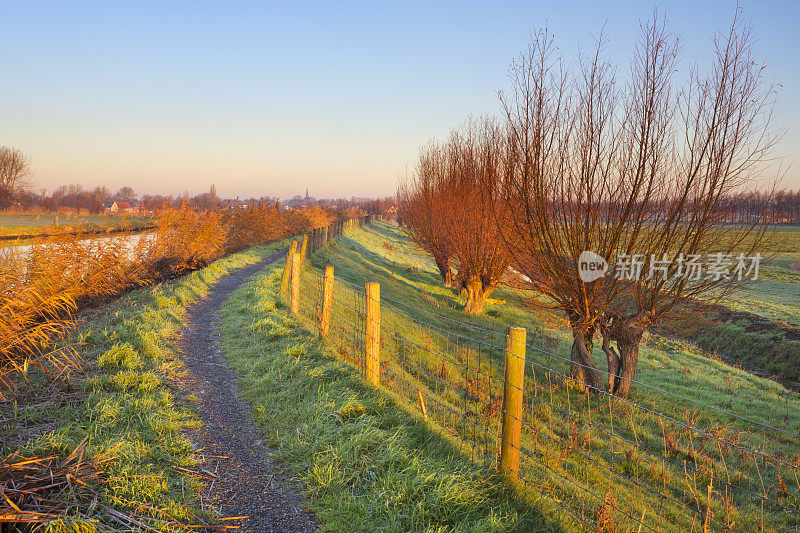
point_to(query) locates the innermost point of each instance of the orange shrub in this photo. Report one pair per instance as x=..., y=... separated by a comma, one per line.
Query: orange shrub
x=184, y=239
x=42, y=286
x=264, y=223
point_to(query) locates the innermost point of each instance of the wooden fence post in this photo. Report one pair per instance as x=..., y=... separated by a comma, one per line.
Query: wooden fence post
x=297, y=258
x=373, y=334
x=512, y=402
x=327, y=302
x=304, y=248
x=287, y=270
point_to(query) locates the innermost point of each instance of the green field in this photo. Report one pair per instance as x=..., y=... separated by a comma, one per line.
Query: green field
x=763, y=333
x=708, y=403
x=367, y=464
x=14, y=225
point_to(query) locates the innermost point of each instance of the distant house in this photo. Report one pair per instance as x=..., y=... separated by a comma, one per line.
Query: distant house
x=121, y=207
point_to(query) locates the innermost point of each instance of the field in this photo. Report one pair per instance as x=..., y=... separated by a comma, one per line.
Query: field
x=698, y=443
x=31, y=225
x=366, y=463
x=652, y=455
x=759, y=327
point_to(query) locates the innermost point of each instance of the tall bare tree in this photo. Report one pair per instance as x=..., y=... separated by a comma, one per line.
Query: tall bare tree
x=422, y=200
x=125, y=194
x=451, y=199
x=15, y=174
x=644, y=170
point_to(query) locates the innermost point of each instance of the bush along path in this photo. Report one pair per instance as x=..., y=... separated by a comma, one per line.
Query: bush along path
x=248, y=483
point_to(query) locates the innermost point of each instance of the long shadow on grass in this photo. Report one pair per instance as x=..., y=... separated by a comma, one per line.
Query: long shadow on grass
x=403, y=286
x=369, y=463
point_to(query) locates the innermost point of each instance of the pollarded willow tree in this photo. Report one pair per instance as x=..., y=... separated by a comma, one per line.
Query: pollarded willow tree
x=450, y=209
x=420, y=209
x=644, y=174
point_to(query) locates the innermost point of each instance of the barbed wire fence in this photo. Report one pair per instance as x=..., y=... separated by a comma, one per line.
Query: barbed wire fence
x=654, y=463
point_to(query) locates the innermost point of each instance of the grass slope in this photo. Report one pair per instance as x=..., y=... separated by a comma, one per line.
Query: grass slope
x=382, y=253
x=128, y=401
x=368, y=465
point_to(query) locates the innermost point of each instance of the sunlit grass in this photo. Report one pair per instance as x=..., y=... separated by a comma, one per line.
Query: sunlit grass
x=127, y=402
x=367, y=465
x=382, y=253
x=24, y=224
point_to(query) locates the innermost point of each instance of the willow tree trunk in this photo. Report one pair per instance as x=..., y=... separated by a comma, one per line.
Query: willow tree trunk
x=443, y=264
x=627, y=333
x=629, y=354
x=584, y=369
x=477, y=293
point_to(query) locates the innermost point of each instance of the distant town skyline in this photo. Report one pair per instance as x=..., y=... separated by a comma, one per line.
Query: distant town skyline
x=259, y=99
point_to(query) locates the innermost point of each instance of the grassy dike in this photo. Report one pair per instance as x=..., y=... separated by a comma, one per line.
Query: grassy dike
x=367, y=464
x=129, y=404
x=691, y=388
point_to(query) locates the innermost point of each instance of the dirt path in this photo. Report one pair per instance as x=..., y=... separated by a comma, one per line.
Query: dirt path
x=249, y=482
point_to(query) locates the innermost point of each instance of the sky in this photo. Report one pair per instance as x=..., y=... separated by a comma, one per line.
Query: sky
x=273, y=98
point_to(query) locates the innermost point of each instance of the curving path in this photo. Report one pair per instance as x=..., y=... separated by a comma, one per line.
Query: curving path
x=249, y=482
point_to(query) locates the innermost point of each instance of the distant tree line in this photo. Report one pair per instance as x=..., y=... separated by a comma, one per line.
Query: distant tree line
x=17, y=191
x=781, y=207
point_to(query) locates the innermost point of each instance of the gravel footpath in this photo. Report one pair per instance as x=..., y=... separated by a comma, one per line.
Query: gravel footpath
x=249, y=482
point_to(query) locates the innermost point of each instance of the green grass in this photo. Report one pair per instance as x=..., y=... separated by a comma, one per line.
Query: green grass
x=36, y=224
x=383, y=253
x=127, y=401
x=764, y=334
x=366, y=464
x=776, y=295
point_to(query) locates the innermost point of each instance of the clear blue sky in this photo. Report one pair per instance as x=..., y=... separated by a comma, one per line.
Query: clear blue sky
x=271, y=98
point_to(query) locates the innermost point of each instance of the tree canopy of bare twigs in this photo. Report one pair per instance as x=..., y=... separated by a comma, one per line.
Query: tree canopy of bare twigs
x=448, y=205
x=649, y=167
x=15, y=172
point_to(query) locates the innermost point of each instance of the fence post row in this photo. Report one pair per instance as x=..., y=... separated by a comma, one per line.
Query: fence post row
x=512, y=402
x=287, y=270
x=297, y=258
x=373, y=334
